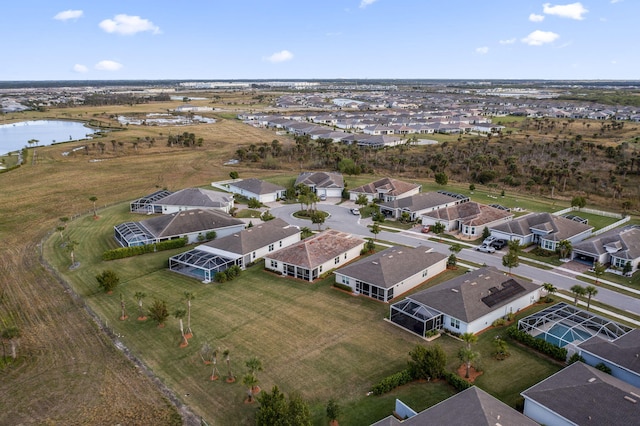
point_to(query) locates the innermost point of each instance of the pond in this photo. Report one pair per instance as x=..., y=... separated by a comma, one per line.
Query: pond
x=15, y=136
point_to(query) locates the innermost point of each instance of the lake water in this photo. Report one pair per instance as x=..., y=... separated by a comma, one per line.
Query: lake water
x=14, y=136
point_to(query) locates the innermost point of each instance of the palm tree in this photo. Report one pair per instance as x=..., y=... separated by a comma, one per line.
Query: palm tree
x=549, y=289
x=230, y=376
x=214, y=369
x=93, y=199
x=577, y=290
x=469, y=339
x=250, y=381
x=564, y=249
x=180, y=314
x=467, y=356
x=71, y=247
x=254, y=365
x=139, y=296
x=590, y=291
x=598, y=270
x=123, y=309
x=375, y=230
x=188, y=296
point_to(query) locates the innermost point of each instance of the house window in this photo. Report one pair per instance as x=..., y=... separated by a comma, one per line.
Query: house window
x=253, y=255
x=345, y=256
x=280, y=243
x=425, y=273
x=455, y=323
x=547, y=245
x=320, y=269
x=274, y=264
x=345, y=280
x=336, y=260
x=270, y=247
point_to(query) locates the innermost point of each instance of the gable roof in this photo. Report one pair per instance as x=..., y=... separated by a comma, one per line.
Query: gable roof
x=471, y=214
x=197, y=197
x=623, y=243
x=388, y=186
x=623, y=351
x=253, y=238
x=257, y=186
x=189, y=221
x=552, y=227
x=318, y=249
x=392, y=265
x=584, y=395
x=321, y=179
x=422, y=201
x=474, y=294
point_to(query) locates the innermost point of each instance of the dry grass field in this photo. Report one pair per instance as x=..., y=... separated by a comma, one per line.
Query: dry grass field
x=69, y=372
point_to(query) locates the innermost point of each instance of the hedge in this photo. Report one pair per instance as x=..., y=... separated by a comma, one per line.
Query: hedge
x=537, y=344
x=391, y=382
x=343, y=287
x=456, y=381
x=121, y=253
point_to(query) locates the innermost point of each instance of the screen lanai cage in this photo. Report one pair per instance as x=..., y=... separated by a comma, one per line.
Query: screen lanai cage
x=415, y=317
x=563, y=324
x=200, y=264
x=146, y=204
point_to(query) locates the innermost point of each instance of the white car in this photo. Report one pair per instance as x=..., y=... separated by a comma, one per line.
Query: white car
x=355, y=211
x=486, y=248
x=489, y=240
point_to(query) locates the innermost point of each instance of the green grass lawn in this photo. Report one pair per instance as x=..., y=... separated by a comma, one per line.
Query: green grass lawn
x=311, y=338
x=248, y=213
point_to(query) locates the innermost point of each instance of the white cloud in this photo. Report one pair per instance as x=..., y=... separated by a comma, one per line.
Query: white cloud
x=107, y=65
x=128, y=25
x=571, y=11
x=365, y=3
x=80, y=68
x=508, y=41
x=536, y=18
x=68, y=14
x=538, y=38
x=615, y=1
x=482, y=50
x=282, y=56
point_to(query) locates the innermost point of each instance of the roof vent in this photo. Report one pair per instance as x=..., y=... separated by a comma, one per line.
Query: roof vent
x=635, y=394
x=455, y=290
x=375, y=263
x=628, y=398
x=474, y=283
x=591, y=380
x=487, y=277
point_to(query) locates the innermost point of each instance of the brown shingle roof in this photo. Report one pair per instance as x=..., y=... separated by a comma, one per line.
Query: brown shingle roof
x=189, y=221
x=471, y=214
x=387, y=186
x=197, y=197
x=254, y=238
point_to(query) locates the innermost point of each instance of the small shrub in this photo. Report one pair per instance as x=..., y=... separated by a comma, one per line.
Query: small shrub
x=499, y=322
x=456, y=381
x=343, y=287
x=575, y=358
x=602, y=367
x=391, y=382
x=537, y=344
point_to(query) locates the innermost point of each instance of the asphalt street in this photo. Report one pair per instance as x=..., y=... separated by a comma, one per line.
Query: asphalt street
x=341, y=218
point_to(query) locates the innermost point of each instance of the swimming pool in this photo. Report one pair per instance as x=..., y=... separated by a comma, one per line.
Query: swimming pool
x=560, y=335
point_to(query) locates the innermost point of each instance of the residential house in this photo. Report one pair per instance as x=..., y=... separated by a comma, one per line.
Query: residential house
x=468, y=303
x=329, y=184
x=615, y=247
x=241, y=248
x=471, y=407
x=316, y=255
x=385, y=190
x=391, y=272
x=418, y=204
x=261, y=190
x=194, y=224
x=543, y=229
x=621, y=355
x=582, y=395
x=469, y=219
x=185, y=199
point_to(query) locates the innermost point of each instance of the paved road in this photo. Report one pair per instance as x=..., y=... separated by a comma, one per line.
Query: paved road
x=342, y=219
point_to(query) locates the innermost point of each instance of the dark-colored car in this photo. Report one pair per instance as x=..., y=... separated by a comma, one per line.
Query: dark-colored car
x=498, y=244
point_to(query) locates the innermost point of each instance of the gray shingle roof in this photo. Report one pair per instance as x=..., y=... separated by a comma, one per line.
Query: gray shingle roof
x=189, y=221
x=471, y=407
x=257, y=186
x=254, y=238
x=388, y=186
x=626, y=239
x=197, y=197
x=558, y=228
x=462, y=297
x=421, y=201
x=321, y=179
x=318, y=249
x=471, y=214
x=391, y=266
x=623, y=351
x=587, y=396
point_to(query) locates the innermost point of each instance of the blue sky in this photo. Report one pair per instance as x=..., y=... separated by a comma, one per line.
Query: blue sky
x=305, y=39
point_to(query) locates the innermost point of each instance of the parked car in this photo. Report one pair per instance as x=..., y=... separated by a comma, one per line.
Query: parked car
x=355, y=211
x=426, y=229
x=485, y=248
x=489, y=239
x=498, y=244
x=323, y=197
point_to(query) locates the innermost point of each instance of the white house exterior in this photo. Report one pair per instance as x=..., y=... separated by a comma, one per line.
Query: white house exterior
x=615, y=247
x=263, y=191
x=316, y=255
x=469, y=303
x=328, y=184
x=543, y=229
x=385, y=190
x=418, y=204
x=189, y=199
x=620, y=355
x=469, y=219
x=391, y=272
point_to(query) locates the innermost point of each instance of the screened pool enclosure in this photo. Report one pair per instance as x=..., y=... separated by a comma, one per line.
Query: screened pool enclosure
x=564, y=324
x=415, y=317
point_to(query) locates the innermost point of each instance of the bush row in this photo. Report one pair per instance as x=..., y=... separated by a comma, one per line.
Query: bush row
x=121, y=253
x=229, y=275
x=343, y=287
x=537, y=344
x=456, y=381
x=391, y=382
